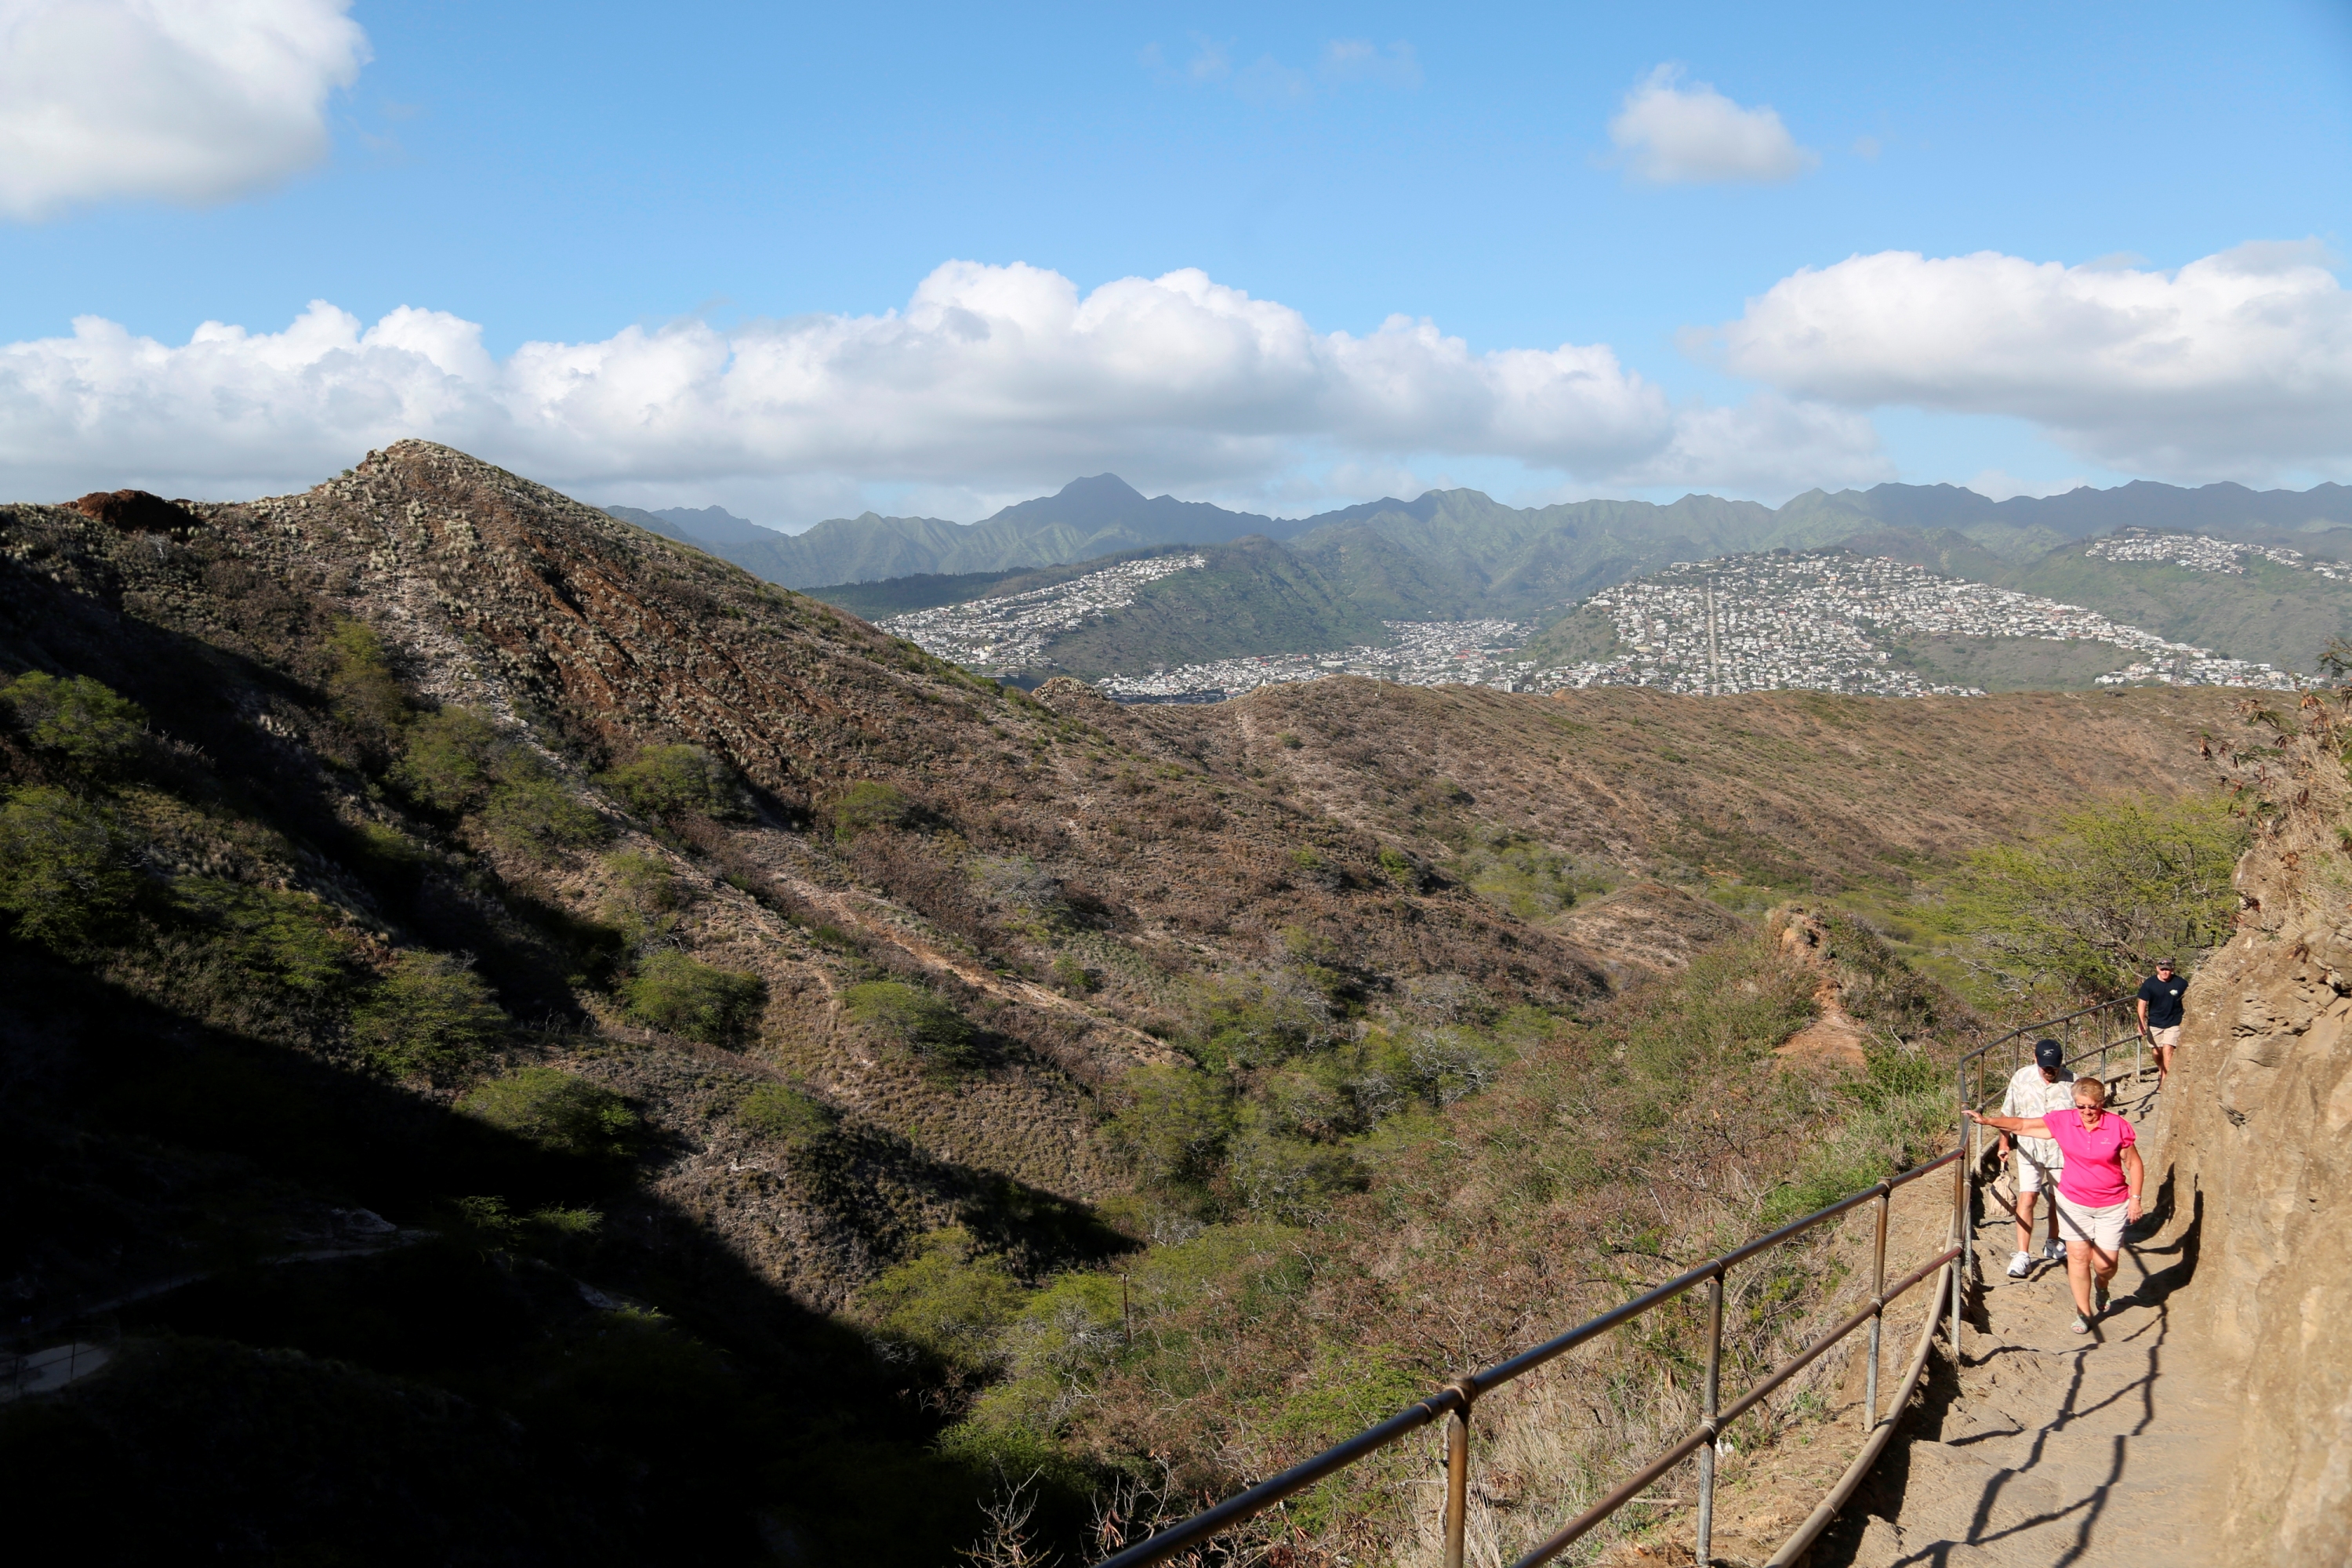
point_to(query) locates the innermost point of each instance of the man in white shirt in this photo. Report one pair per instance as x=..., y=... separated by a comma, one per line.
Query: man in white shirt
x=2039, y=1087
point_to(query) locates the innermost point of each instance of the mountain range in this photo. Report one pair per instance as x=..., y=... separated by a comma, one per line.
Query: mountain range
x=1507, y=553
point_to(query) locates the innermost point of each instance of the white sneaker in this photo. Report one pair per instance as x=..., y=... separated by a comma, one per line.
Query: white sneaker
x=2020, y=1265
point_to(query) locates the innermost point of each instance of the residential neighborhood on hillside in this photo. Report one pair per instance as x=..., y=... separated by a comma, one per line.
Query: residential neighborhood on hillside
x=1010, y=634
x=2199, y=553
x=1822, y=620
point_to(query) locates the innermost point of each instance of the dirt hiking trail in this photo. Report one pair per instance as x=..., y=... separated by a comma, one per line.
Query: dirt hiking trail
x=2054, y=1448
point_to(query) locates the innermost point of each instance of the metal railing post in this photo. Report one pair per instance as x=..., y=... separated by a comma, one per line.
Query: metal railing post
x=1712, y=1401
x=1878, y=1314
x=1961, y=1238
x=1458, y=1478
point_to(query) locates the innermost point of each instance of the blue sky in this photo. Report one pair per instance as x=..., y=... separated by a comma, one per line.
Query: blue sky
x=557, y=174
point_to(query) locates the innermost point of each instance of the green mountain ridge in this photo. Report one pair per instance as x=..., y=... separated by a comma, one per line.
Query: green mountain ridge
x=1328, y=582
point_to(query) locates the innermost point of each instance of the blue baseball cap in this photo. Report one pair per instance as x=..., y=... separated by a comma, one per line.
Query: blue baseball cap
x=2050, y=1054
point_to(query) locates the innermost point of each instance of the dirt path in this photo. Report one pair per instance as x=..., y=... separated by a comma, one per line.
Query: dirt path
x=2055, y=1447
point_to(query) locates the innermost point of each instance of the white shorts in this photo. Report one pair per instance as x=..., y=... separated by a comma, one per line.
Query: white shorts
x=2029, y=1175
x=2167, y=1039
x=2101, y=1228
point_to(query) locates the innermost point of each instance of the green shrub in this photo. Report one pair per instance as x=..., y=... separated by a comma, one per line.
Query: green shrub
x=531, y=812
x=645, y=893
x=1401, y=870
x=676, y=782
x=784, y=1114
x=1173, y=1128
x=63, y=871
x=949, y=1300
x=924, y=1023
x=431, y=1016
x=449, y=760
x=670, y=990
x=869, y=804
x=1071, y=977
x=84, y=722
x=281, y=940
x=1286, y=1179
x=559, y=1112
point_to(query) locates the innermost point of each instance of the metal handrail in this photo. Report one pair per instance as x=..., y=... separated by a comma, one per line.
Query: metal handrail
x=1457, y=1399
x=1454, y=1402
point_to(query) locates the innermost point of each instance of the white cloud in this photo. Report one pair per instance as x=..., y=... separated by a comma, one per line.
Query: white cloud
x=185, y=100
x=1268, y=81
x=1769, y=446
x=2238, y=365
x=992, y=378
x=1356, y=59
x=1671, y=135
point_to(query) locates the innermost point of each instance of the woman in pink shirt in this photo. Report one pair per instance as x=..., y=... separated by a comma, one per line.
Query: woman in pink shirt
x=2098, y=1189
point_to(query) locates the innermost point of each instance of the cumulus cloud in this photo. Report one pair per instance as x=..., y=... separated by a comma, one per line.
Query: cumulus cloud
x=184, y=101
x=2238, y=365
x=991, y=377
x=1668, y=134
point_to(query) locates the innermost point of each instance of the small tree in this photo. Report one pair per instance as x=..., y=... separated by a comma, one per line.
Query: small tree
x=2095, y=902
x=432, y=1016
x=556, y=1110
x=368, y=697
x=869, y=804
x=449, y=760
x=670, y=990
x=950, y=1299
x=85, y=722
x=672, y=782
x=62, y=868
x=787, y=1116
x=1174, y=1128
x=924, y=1023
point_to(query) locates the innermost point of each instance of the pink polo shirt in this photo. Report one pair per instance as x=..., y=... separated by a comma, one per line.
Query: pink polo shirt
x=2094, y=1174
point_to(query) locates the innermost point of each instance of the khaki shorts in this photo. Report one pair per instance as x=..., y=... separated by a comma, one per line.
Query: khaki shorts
x=2167, y=1039
x=2101, y=1228
x=2029, y=1175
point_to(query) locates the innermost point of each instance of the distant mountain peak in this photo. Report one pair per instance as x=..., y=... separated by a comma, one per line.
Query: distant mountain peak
x=1098, y=488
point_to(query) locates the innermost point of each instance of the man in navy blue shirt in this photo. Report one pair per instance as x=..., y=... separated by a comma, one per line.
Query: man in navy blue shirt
x=2159, y=1014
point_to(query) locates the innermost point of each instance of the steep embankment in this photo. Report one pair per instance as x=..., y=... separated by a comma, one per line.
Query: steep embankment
x=2262, y=1145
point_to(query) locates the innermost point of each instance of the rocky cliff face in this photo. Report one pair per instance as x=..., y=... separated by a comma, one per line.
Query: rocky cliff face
x=2261, y=1142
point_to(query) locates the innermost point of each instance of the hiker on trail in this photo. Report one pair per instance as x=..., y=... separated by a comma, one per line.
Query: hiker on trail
x=2159, y=1014
x=2042, y=1085
x=2098, y=1188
